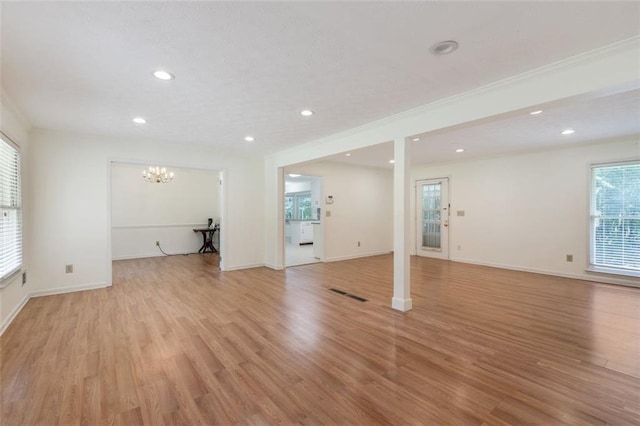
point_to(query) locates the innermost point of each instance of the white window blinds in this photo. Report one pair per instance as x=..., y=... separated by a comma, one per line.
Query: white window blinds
x=10, y=210
x=615, y=217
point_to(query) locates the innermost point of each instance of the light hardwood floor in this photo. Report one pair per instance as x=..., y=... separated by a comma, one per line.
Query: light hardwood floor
x=176, y=342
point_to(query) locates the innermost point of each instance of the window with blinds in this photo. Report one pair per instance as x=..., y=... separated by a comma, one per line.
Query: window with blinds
x=615, y=218
x=10, y=210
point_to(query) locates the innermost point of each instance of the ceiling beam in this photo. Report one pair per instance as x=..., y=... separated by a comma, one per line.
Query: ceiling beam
x=616, y=65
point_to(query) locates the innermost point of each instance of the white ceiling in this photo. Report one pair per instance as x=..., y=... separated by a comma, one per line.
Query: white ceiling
x=249, y=68
x=595, y=119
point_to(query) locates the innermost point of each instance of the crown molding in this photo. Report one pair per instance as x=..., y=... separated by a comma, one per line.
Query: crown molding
x=599, y=54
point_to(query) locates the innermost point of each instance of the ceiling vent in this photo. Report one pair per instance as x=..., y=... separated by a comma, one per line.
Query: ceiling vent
x=444, y=47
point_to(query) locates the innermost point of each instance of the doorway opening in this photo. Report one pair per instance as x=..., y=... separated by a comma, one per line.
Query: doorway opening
x=182, y=215
x=303, y=232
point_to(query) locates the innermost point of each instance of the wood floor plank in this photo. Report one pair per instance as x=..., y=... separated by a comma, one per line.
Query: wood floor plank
x=175, y=341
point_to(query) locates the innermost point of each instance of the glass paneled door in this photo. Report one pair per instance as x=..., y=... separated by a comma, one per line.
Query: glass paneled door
x=432, y=202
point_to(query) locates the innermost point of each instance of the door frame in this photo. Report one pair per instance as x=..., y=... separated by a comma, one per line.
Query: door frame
x=418, y=226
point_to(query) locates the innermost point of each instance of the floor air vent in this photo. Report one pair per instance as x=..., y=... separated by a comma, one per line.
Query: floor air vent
x=344, y=293
x=358, y=298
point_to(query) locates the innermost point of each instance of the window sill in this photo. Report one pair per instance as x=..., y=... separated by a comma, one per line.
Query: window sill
x=9, y=278
x=613, y=271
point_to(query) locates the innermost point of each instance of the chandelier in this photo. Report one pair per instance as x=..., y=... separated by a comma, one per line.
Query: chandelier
x=157, y=175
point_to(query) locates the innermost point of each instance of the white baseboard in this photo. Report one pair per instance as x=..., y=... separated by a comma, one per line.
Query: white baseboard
x=14, y=313
x=274, y=266
x=49, y=292
x=137, y=256
x=238, y=267
x=356, y=256
x=585, y=277
x=68, y=289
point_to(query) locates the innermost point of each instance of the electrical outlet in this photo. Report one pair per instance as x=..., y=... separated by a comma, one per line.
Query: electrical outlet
x=328, y=213
x=158, y=243
x=24, y=277
x=569, y=258
x=68, y=269
x=459, y=247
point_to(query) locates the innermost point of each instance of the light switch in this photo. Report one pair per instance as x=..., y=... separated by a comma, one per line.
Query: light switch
x=460, y=212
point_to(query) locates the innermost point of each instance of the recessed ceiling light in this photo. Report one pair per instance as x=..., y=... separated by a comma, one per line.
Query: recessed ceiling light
x=444, y=47
x=306, y=112
x=249, y=138
x=459, y=150
x=348, y=154
x=294, y=175
x=536, y=112
x=139, y=120
x=568, y=131
x=415, y=139
x=392, y=161
x=163, y=75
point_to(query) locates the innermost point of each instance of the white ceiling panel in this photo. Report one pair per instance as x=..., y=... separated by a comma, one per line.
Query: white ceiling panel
x=248, y=68
x=607, y=117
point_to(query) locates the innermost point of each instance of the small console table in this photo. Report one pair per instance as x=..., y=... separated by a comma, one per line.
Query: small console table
x=207, y=238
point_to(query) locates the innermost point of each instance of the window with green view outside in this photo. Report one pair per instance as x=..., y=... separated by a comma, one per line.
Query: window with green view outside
x=297, y=205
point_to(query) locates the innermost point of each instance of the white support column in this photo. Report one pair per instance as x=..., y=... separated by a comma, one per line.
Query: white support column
x=401, y=230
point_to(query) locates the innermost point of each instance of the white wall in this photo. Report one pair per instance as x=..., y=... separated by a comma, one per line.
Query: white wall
x=362, y=209
x=524, y=211
x=14, y=295
x=588, y=73
x=71, y=217
x=143, y=213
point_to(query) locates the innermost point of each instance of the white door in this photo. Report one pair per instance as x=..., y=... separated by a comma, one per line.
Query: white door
x=432, y=202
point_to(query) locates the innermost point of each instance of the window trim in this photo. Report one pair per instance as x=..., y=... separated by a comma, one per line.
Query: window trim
x=591, y=267
x=9, y=278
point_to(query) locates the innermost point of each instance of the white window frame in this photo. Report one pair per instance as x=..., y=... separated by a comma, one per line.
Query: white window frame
x=10, y=275
x=592, y=266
